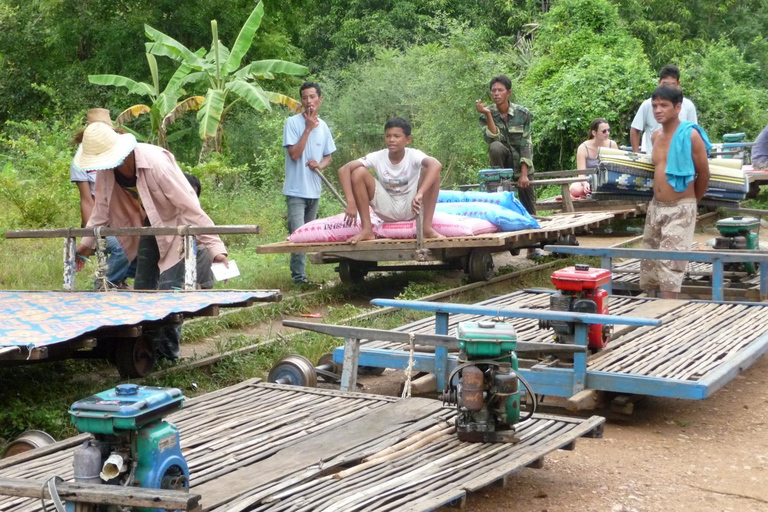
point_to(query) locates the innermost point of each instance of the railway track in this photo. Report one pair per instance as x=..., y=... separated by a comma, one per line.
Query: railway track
x=284, y=335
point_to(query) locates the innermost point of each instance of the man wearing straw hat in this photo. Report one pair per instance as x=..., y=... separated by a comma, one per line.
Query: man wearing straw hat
x=141, y=185
x=118, y=266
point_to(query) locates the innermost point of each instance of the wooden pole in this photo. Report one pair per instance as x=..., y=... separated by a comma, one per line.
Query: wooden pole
x=103, y=494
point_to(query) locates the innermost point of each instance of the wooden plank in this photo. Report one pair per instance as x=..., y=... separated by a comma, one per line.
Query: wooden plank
x=103, y=494
x=304, y=455
x=135, y=231
x=651, y=309
x=349, y=365
x=567, y=201
x=45, y=450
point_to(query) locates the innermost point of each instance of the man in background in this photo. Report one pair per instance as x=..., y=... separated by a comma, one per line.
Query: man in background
x=645, y=123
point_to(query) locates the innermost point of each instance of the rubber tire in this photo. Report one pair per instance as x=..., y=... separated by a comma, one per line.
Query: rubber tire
x=134, y=357
x=480, y=266
x=351, y=272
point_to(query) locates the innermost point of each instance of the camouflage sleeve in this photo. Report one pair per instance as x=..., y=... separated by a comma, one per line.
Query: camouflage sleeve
x=488, y=137
x=526, y=148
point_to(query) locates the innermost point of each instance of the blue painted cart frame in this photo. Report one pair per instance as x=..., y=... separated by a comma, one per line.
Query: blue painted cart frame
x=546, y=380
x=566, y=382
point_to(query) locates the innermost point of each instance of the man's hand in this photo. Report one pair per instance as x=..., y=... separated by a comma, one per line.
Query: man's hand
x=221, y=258
x=310, y=119
x=350, y=214
x=83, y=253
x=314, y=165
x=416, y=204
x=480, y=106
x=523, y=182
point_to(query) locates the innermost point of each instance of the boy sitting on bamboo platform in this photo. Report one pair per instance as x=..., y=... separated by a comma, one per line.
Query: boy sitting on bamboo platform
x=407, y=182
x=681, y=176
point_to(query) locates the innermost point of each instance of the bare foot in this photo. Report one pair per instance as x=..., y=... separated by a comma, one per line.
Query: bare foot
x=431, y=233
x=366, y=234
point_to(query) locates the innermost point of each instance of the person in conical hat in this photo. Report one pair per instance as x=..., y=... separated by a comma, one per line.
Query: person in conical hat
x=141, y=185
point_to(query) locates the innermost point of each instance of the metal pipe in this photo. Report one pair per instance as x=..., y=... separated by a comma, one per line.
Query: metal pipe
x=578, y=318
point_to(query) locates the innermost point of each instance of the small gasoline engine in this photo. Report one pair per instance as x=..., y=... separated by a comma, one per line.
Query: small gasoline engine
x=485, y=385
x=578, y=291
x=496, y=180
x=736, y=233
x=132, y=445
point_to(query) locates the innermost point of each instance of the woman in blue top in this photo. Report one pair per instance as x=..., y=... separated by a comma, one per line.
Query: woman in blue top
x=586, y=155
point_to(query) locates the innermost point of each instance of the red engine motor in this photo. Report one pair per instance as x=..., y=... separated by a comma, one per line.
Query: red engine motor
x=578, y=290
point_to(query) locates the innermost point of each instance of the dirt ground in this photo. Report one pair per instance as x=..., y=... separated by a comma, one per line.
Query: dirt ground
x=669, y=455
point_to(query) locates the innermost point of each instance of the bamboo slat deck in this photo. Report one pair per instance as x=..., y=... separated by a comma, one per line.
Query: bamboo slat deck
x=551, y=228
x=700, y=273
x=258, y=446
x=694, y=341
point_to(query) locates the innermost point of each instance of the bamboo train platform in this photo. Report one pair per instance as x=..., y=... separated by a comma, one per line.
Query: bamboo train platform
x=256, y=446
x=696, y=284
x=41, y=326
x=699, y=347
x=471, y=253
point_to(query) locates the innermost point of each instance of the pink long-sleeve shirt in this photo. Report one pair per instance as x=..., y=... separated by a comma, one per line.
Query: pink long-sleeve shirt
x=168, y=200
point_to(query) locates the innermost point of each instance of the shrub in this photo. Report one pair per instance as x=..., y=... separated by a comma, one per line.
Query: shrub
x=35, y=175
x=586, y=66
x=726, y=90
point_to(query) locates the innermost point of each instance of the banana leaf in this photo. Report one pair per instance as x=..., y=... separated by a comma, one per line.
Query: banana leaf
x=244, y=39
x=209, y=115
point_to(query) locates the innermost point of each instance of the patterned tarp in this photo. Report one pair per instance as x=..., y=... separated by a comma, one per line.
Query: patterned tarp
x=632, y=174
x=33, y=319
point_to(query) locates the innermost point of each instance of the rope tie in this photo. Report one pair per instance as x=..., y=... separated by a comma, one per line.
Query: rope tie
x=409, y=368
x=101, y=260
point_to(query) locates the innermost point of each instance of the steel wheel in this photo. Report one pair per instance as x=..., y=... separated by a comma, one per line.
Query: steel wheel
x=480, y=266
x=294, y=370
x=351, y=272
x=134, y=357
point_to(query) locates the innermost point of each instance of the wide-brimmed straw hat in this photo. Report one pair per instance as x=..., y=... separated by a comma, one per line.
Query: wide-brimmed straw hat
x=103, y=148
x=100, y=115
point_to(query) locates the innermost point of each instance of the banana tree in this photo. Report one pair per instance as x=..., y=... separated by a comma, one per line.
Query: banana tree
x=228, y=82
x=164, y=104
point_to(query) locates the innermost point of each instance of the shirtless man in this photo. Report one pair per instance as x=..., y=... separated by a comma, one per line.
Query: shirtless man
x=671, y=217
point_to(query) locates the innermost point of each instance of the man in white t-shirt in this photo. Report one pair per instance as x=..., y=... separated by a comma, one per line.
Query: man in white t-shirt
x=407, y=182
x=644, y=120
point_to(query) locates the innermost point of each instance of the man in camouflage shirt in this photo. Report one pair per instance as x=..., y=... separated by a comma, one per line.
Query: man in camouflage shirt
x=507, y=130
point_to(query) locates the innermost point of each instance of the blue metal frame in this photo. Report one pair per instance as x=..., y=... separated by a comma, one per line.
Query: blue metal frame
x=545, y=380
x=716, y=258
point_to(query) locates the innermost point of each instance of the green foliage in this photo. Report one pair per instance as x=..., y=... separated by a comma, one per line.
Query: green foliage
x=34, y=180
x=257, y=142
x=221, y=69
x=586, y=66
x=339, y=32
x=725, y=89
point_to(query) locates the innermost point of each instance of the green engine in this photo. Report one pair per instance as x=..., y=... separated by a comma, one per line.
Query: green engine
x=496, y=180
x=738, y=233
x=485, y=385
